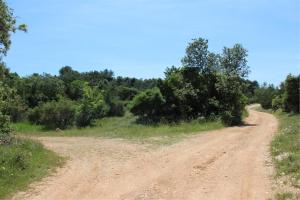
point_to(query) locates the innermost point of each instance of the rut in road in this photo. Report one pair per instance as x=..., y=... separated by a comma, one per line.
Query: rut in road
x=231, y=163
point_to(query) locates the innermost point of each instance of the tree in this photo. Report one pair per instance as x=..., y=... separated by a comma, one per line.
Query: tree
x=8, y=26
x=234, y=61
x=37, y=89
x=196, y=54
x=291, y=93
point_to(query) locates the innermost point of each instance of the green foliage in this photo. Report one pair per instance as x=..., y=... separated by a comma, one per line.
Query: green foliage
x=265, y=94
x=234, y=61
x=207, y=85
x=285, y=147
x=127, y=93
x=147, y=104
x=277, y=102
x=5, y=129
x=92, y=107
x=85, y=114
x=116, y=108
x=37, y=89
x=22, y=162
x=291, y=93
x=229, y=90
x=60, y=114
x=8, y=26
x=196, y=54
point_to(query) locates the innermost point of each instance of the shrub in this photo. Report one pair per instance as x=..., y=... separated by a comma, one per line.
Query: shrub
x=127, y=93
x=92, y=107
x=147, y=104
x=54, y=114
x=277, y=103
x=116, y=108
x=4, y=129
x=84, y=115
x=291, y=94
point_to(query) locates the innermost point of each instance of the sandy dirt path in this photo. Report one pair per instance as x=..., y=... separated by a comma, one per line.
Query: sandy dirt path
x=231, y=163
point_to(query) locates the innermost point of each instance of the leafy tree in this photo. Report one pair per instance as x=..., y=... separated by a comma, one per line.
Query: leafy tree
x=8, y=26
x=196, y=54
x=291, y=93
x=37, y=89
x=234, y=61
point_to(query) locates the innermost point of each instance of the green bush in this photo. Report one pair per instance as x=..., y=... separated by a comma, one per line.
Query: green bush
x=84, y=115
x=291, y=94
x=4, y=129
x=116, y=108
x=60, y=114
x=147, y=104
x=277, y=103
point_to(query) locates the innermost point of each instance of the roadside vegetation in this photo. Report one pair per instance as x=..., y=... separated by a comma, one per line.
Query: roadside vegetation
x=22, y=162
x=283, y=102
x=286, y=155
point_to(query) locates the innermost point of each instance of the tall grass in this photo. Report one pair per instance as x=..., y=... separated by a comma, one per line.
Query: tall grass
x=125, y=127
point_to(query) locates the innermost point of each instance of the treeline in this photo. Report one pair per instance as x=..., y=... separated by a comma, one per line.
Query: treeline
x=69, y=98
x=285, y=97
x=208, y=86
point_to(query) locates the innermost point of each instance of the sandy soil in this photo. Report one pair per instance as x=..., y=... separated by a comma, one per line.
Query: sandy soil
x=232, y=163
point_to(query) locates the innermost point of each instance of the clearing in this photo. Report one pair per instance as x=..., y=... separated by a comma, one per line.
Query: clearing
x=230, y=163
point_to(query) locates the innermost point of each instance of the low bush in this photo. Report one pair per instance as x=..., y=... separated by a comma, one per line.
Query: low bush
x=147, y=104
x=116, y=108
x=60, y=114
x=4, y=129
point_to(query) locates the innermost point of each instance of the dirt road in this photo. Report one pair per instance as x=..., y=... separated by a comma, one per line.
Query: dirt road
x=232, y=163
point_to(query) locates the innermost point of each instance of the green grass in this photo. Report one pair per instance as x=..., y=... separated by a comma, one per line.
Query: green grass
x=287, y=142
x=285, y=150
x=26, y=127
x=23, y=162
x=125, y=127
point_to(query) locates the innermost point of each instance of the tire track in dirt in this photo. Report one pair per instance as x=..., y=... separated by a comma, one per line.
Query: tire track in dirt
x=230, y=163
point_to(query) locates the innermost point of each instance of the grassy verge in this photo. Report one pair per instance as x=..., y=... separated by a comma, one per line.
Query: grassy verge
x=23, y=162
x=125, y=127
x=286, y=154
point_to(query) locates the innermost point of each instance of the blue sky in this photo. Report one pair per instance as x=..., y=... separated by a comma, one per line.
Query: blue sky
x=140, y=38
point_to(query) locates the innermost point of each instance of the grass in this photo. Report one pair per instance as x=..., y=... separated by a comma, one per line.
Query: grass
x=22, y=162
x=125, y=127
x=285, y=150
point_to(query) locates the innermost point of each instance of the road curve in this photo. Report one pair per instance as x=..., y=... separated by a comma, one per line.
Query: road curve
x=231, y=163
